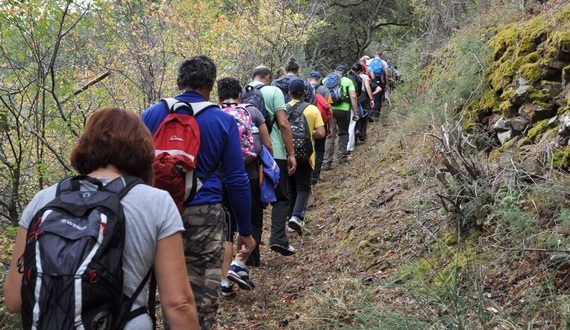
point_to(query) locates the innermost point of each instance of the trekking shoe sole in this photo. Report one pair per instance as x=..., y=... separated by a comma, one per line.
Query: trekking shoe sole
x=296, y=227
x=281, y=250
x=244, y=285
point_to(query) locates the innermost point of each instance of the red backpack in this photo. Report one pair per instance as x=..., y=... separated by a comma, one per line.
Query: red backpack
x=324, y=108
x=176, y=144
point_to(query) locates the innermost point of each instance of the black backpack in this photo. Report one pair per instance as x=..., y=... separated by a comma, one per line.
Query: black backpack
x=72, y=264
x=300, y=131
x=283, y=84
x=252, y=95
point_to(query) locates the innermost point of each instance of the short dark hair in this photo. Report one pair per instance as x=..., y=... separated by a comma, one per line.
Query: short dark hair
x=297, y=88
x=228, y=88
x=261, y=72
x=357, y=67
x=116, y=137
x=292, y=66
x=196, y=72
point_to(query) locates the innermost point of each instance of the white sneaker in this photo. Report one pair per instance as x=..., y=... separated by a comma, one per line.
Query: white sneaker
x=296, y=224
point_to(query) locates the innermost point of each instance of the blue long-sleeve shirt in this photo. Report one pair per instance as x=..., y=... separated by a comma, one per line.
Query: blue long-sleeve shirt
x=219, y=142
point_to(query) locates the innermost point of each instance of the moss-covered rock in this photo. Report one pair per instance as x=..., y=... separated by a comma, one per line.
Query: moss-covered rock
x=526, y=75
x=535, y=133
x=533, y=57
x=561, y=158
x=540, y=96
x=487, y=103
x=531, y=71
x=505, y=107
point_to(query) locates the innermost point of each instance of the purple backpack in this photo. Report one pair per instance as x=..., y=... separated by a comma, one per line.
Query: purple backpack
x=244, y=123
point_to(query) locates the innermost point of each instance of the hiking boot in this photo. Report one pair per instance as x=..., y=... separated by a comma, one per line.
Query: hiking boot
x=227, y=289
x=240, y=276
x=296, y=224
x=284, y=250
x=325, y=167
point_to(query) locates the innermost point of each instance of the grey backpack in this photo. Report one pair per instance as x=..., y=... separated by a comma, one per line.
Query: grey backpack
x=72, y=264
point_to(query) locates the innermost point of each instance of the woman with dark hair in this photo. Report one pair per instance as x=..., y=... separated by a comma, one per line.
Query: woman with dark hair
x=292, y=73
x=115, y=147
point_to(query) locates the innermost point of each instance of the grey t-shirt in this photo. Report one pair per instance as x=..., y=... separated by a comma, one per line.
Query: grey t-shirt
x=150, y=215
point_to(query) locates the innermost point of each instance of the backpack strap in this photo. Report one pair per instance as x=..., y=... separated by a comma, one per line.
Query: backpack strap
x=250, y=87
x=300, y=105
x=199, y=106
x=131, y=314
x=173, y=105
x=151, y=304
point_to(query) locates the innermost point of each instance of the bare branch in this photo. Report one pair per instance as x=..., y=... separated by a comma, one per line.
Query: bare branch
x=86, y=86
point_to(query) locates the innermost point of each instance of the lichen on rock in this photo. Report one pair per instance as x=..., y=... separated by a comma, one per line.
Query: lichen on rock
x=528, y=80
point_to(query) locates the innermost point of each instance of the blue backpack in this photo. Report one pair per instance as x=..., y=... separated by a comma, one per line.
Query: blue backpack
x=332, y=83
x=376, y=66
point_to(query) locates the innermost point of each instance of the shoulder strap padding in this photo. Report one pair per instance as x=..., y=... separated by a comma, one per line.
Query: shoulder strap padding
x=174, y=105
x=199, y=106
x=302, y=106
x=121, y=186
x=299, y=107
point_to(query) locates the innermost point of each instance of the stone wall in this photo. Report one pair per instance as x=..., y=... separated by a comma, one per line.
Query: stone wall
x=527, y=101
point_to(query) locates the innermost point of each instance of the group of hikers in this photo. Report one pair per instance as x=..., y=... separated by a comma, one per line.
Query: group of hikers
x=158, y=201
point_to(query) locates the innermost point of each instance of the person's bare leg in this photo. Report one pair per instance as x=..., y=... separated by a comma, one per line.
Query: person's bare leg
x=228, y=254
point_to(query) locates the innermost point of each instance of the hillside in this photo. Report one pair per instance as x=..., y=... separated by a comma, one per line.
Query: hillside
x=439, y=221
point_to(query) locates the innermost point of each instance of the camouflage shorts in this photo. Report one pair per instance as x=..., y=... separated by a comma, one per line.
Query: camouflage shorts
x=204, y=247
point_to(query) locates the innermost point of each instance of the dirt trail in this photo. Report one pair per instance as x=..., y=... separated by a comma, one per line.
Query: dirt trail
x=358, y=218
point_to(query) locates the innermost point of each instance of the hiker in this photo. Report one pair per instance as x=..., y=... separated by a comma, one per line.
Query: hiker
x=366, y=102
x=364, y=62
x=322, y=95
x=345, y=105
x=380, y=76
x=252, y=138
x=292, y=73
x=204, y=216
x=284, y=155
x=306, y=124
x=114, y=157
x=354, y=75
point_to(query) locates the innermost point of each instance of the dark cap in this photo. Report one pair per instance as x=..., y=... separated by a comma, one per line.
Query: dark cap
x=341, y=68
x=316, y=75
x=297, y=86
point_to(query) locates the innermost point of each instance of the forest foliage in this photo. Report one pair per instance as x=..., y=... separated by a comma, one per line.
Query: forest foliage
x=61, y=60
